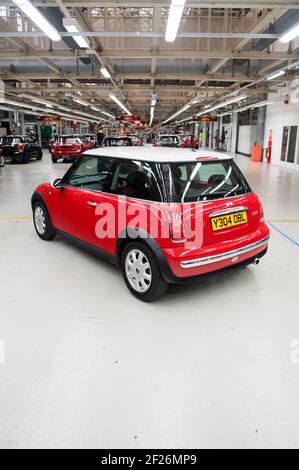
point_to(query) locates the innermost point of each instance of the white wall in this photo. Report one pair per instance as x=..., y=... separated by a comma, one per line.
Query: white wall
x=277, y=116
x=246, y=139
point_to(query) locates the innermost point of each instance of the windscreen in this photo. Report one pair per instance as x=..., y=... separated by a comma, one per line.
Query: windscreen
x=200, y=181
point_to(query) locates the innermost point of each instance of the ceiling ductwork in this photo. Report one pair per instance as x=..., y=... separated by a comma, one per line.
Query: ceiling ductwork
x=55, y=16
x=280, y=26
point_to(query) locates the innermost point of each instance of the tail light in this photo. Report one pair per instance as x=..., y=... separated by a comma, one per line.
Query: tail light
x=78, y=147
x=21, y=147
x=176, y=228
x=54, y=147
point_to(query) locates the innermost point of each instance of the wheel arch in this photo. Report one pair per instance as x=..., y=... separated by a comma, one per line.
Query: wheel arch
x=131, y=234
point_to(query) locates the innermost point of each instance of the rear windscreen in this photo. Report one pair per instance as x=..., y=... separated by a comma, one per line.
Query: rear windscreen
x=68, y=140
x=10, y=140
x=199, y=181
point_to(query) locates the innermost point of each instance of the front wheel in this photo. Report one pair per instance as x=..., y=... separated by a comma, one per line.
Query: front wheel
x=2, y=161
x=42, y=222
x=54, y=159
x=39, y=155
x=141, y=272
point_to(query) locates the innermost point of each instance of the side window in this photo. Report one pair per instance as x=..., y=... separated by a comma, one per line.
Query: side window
x=91, y=173
x=137, y=180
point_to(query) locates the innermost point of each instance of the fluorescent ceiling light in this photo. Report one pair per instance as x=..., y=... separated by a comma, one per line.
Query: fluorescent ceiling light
x=251, y=106
x=174, y=18
x=103, y=112
x=51, y=111
x=120, y=104
x=72, y=26
x=108, y=114
x=68, y=85
x=37, y=18
x=84, y=103
x=291, y=34
x=37, y=100
x=105, y=72
x=276, y=74
x=224, y=103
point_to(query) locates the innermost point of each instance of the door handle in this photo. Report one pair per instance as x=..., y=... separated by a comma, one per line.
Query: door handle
x=91, y=203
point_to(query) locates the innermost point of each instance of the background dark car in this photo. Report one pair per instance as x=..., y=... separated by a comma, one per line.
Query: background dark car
x=20, y=148
x=92, y=139
x=168, y=141
x=117, y=141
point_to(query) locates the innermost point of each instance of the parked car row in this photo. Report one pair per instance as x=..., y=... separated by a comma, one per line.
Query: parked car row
x=69, y=147
x=20, y=148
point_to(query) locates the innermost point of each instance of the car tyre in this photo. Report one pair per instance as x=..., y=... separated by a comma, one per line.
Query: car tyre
x=141, y=272
x=42, y=222
x=39, y=155
x=54, y=159
x=26, y=158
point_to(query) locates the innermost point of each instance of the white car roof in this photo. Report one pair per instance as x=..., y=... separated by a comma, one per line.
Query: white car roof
x=157, y=154
x=168, y=135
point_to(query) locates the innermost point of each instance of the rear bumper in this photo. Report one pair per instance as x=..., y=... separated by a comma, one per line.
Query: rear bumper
x=186, y=263
x=224, y=256
x=66, y=154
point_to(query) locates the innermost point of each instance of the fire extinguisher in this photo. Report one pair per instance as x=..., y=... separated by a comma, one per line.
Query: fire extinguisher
x=269, y=148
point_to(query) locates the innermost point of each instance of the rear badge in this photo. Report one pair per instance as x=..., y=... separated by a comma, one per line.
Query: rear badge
x=235, y=259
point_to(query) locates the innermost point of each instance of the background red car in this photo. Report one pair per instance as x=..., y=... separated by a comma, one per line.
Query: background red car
x=189, y=141
x=68, y=147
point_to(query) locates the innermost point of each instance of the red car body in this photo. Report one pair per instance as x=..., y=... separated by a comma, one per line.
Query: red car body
x=182, y=254
x=68, y=147
x=189, y=141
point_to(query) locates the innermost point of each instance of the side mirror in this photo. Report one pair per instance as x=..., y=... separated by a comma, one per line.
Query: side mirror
x=58, y=184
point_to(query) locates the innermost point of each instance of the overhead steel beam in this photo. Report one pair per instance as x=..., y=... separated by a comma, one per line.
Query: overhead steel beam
x=133, y=76
x=194, y=54
x=148, y=54
x=165, y=3
x=27, y=49
x=258, y=26
x=140, y=34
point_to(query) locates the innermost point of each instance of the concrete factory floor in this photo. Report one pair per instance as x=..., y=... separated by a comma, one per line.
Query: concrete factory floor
x=84, y=364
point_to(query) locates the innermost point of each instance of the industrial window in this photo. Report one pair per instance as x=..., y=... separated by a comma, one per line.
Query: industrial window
x=288, y=146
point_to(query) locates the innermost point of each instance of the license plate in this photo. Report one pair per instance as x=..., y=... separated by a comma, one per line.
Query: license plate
x=229, y=220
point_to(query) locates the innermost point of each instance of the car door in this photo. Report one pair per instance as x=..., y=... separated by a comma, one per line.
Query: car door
x=76, y=207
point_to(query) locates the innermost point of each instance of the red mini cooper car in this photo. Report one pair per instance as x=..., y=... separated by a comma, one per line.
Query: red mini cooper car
x=189, y=142
x=163, y=215
x=68, y=147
